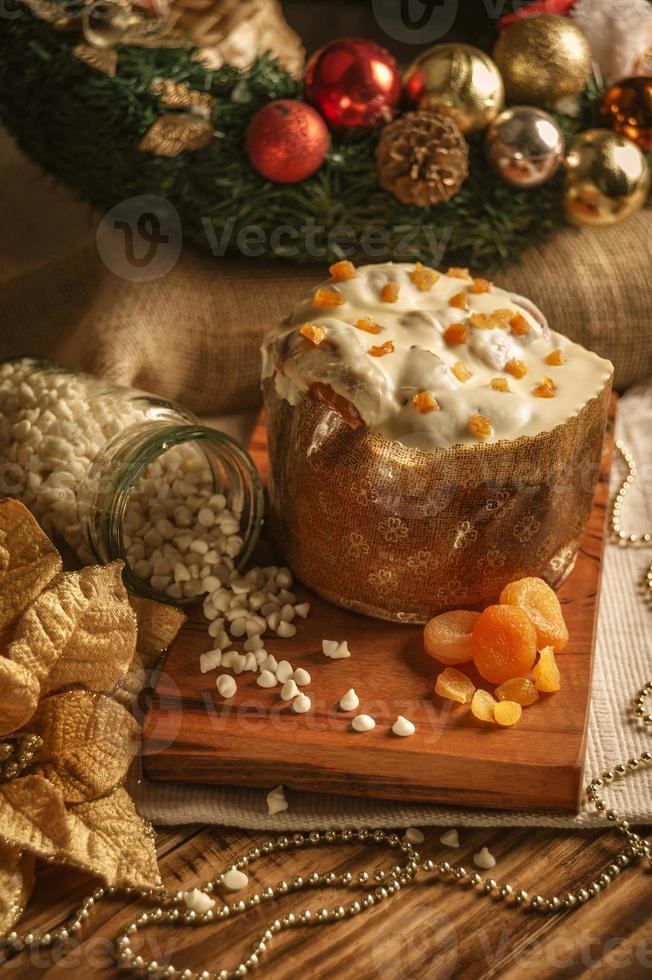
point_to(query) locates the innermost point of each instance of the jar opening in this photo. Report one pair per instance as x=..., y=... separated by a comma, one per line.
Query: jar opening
x=182, y=504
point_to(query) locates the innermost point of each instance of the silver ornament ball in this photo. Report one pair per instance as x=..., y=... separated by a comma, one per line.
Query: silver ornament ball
x=525, y=146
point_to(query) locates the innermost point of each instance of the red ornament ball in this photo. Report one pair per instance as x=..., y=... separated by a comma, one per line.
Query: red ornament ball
x=353, y=83
x=286, y=141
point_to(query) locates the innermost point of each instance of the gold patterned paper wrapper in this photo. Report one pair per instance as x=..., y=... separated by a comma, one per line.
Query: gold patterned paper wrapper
x=403, y=534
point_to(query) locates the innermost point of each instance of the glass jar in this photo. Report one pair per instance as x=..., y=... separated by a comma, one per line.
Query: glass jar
x=80, y=453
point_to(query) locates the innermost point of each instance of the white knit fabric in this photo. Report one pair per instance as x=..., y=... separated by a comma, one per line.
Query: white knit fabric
x=623, y=663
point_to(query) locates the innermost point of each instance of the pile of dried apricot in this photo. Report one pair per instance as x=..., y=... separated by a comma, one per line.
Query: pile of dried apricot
x=502, y=641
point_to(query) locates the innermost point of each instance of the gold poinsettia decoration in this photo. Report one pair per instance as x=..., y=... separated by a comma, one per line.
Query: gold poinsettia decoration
x=73, y=655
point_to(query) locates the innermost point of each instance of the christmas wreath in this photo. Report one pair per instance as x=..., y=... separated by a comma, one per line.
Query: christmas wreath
x=119, y=100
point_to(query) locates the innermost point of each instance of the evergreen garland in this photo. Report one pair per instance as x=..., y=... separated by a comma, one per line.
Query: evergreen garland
x=85, y=128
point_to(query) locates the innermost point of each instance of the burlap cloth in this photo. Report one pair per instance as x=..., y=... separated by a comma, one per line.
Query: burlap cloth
x=193, y=334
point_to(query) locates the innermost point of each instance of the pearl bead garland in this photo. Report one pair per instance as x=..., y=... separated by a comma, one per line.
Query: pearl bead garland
x=380, y=884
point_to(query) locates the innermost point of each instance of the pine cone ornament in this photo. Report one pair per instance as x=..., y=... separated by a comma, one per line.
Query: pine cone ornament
x=422, y=158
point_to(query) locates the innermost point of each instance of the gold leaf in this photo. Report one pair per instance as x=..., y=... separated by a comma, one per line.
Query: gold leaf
x=127, y=691
x=158, y=624
x=28, y=560
x=16, y=883
x=88, y=743
x=19, y=694
x=81, y=630
x=172, y=134
x=105, y=837
x=104, y=60
x=111, y=840
x=33, y=816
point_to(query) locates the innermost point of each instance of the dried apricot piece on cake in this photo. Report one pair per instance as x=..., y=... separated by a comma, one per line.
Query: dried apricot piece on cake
x=543, y=608
x=424, y=402
x=447, y=637
x=454, y=686
x=343, y=270
x=519, y=689
x=389, y=292
x=457, y=333
x=423, y=277
x=546, y=672
x=504, y=643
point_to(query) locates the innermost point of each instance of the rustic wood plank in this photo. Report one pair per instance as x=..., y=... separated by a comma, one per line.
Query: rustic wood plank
x=255, y=739
x=431, y=929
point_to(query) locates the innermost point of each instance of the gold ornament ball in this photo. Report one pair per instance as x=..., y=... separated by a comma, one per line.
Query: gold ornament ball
x=607, y=178
x=626, y=108
x=459, y=80
x=542, y=58
x=525, y=146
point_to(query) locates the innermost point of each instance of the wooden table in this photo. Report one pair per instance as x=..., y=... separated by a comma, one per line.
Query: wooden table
x=429, y=931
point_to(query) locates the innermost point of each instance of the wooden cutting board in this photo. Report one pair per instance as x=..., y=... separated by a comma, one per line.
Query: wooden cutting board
x=254, y=739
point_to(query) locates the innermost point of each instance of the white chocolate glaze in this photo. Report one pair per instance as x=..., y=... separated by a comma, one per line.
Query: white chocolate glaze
x=382, y=388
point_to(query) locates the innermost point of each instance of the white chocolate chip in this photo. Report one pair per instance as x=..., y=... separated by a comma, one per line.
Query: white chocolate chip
x=403, y=727
x=266, y=679
x=255, y=627
x=301, y=703
x=289, y=690
x=335, y=650
x=226, y=685
x=250, y=662
x=234, y=880
x=284, y=671
x=254, y=643
x=283, y=578
x=210, y=660
x=198, y=901
x=484, y=859
x=349, y=701
x=286, y=630
x=270, y=663
x=238, y=627
x=302, y=609
x=301, y=677
x=413, y=836
x=450, y=838
x=276, y=801
x=363, y=723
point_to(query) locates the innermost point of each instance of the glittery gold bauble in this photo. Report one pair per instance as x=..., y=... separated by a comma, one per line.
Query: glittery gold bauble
x=542, y=58
x=607, y=178
x=627, y=109
x=457, y=79
x=525, y=146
